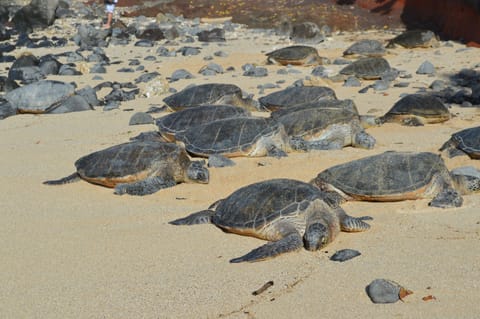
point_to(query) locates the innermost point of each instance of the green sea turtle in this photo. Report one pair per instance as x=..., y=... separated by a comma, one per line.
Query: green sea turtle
x=415, y=39
x=137, y=168
x=180, y=121
x=416, y=110
x=325, y=128
x=296, y=55
x=464, y=142
x=395, y=176
x=233, y=137
x=367, y=68
x=210, y=93
x=365, y=48
x=296, y=95
x=290, y=214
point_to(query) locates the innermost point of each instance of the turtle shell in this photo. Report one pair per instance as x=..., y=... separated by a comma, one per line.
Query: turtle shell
x=365, y=47
x=468, y=140
x=388, y=176
x=211, y=93
x=254, y=206
x=367, y=68
x=133, y=161
x=427, y=106
x=296, y=95
x=313, y=123
x=294, y=55
x=229, y=137
x=179, y=121
x=416, y=39
x=322, y=104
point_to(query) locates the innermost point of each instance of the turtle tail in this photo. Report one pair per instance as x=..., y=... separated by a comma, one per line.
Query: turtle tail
x=65, y=180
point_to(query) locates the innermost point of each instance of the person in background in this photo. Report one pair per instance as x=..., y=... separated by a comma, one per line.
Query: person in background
x=109, y=9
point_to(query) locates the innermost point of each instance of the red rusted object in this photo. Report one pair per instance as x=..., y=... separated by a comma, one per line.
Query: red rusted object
x=453, y=19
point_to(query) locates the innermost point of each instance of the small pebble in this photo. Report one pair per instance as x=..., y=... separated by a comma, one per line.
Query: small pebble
x=345, y=254
x=386, y=291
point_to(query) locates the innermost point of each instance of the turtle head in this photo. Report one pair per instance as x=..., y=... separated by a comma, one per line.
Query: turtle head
x=316, y=236
x=197, y=172
x=466, y=179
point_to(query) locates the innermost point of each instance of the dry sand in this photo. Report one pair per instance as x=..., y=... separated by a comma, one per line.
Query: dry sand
x=79, y=251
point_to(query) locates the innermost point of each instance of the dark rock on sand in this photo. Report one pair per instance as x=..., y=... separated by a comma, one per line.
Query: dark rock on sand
x=141, y=118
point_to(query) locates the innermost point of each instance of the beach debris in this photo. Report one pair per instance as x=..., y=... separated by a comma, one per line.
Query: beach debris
x=262, y=289
x=429, y=298
x=290, y=203
x=395, y=176
x=137, y=168
x=386, y=291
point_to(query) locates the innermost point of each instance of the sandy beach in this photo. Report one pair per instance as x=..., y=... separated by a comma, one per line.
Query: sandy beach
x=80, y=251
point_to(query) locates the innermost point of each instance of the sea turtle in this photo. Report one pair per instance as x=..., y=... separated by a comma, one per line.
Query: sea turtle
x=367, y=68
x=233, y=137
x=210, y=93
x=416, y=110
x=464, y=142
x=366, y=48
x=287, y=212
x=179, y=121
x=365, y=120
x=296, y=55
x=138, y=168
x=415, y=39
x=296, y=95
x=395, y=176
x=325, y=128
x=321, y=104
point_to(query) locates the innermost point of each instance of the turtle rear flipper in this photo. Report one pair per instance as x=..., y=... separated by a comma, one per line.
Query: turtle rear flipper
x=65, y=180
x=354, y=224
x=447, y=198
x=147, y=186
x=201, y=217
x=288, y=243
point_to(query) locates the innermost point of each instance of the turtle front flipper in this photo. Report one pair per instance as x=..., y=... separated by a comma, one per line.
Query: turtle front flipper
x=147, y=186
x=65, y=180
x=201, y=217
x=447, y=198
x=288, y=243
x=273, y=151
x=363, y=140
